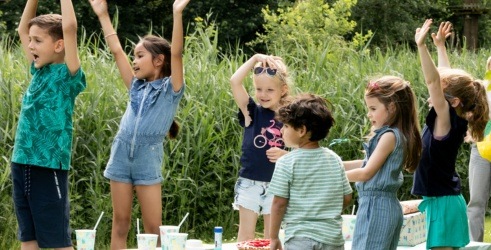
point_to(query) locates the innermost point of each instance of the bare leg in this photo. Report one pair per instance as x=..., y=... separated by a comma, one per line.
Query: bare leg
x=150, y=199
x=122, y=199
x=266, y=218
x=29, y=245
x=247, y=224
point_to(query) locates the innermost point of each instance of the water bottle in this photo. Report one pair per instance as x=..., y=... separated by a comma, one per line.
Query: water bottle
x=218, y=238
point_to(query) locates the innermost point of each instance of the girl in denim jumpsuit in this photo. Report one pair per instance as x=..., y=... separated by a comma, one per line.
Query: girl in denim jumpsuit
x=394, y=144
x=156, y=85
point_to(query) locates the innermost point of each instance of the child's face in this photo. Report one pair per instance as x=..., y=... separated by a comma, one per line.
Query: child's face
x=143, y=64
x=291, y=136
x=43, y=48
x=268, y=90
x=377, y=112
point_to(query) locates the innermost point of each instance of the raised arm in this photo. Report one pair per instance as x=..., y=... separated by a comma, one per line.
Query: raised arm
x=177, y=71
x=238, y=90
x=124, y=66
x=69, y=24
x=23, y=29
x=432, y=79
x=444, y=31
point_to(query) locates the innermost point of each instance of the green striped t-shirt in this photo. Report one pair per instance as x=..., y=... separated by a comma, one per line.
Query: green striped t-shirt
x=315, y=183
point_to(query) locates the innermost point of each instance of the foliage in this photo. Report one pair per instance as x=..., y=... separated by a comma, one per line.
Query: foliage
x=310, y=23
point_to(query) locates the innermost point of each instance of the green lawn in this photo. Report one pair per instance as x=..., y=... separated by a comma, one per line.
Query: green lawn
x=487, y=229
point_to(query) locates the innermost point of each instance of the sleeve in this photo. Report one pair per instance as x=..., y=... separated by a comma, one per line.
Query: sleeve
x=251, y=107
x=77, y=81
x=281, y=181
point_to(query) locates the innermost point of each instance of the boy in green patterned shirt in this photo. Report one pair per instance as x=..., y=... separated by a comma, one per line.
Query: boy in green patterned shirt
x=309, y=184
x=42, y=148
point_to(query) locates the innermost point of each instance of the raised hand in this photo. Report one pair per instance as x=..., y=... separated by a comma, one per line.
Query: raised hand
x=422, y=32
x=99, y=6
x=179, y=5
x=444, y=31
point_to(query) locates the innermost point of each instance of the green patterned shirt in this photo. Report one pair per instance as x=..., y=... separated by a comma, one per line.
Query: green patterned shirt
x=44, y=131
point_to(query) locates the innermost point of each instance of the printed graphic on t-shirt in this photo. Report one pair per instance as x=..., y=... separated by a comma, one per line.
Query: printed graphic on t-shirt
x=269, y=136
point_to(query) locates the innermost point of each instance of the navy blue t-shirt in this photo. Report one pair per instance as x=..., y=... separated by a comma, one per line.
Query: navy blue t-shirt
x=436, y=175
x=262, y=134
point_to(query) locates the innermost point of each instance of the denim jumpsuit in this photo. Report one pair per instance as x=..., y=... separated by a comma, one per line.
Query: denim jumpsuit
x=379, y=219
x=137, y=150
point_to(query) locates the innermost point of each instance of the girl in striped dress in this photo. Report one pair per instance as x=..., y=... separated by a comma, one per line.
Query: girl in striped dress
x=394, y=144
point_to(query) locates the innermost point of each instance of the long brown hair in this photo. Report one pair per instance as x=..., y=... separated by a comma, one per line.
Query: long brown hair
x=472, y=94
x=393, y=90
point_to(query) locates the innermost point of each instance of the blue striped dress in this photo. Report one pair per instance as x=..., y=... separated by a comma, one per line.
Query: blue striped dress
x=379, y=218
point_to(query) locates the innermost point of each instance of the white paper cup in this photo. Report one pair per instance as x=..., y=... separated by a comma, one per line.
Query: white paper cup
x=147, y=241
x=177, y=241
x=85, y=239
x=164, y=230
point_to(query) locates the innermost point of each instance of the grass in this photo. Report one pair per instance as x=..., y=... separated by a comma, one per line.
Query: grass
x=487, y=229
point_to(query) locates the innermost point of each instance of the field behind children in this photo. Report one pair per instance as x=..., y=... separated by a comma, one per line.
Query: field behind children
x=201, y=166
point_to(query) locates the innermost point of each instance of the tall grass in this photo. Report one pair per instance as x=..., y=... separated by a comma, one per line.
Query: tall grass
x=201, y=166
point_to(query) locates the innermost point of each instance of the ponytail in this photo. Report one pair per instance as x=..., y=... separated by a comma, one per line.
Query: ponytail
x=478, y=112
x=174, y=130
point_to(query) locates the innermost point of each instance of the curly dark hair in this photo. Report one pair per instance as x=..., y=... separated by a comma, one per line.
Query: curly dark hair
x=311, y=111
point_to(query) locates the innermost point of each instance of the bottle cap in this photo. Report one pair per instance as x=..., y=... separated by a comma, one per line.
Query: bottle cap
x=218, y=230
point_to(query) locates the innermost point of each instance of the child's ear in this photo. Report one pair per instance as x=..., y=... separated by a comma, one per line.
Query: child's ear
x=455, y=102
x=59, y=46
x=159, y=60
x=302, y=130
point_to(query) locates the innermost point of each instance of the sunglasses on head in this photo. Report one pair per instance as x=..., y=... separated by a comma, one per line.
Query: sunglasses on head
x=259, y=70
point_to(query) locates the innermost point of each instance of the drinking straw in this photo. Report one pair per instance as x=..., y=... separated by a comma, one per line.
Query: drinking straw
x=353, y=211
x=100, y=217
x=138, y=225
x=183, y=219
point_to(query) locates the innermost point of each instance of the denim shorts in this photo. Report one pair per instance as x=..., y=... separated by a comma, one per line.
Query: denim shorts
x=41, y=205
x=144, y=167
x=252, y=195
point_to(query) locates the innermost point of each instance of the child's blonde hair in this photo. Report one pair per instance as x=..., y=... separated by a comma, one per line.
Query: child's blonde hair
x=393, y=90
x=472, y=95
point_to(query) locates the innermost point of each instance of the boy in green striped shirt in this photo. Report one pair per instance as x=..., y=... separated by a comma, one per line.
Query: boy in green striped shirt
x=309, y=184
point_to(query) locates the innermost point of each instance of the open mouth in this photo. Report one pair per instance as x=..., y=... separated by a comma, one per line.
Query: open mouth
x=35, y=57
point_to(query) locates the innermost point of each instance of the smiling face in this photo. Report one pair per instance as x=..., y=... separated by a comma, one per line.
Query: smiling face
x=145, y=66
x=377, y=112
x=268, y=90
x=44, y=49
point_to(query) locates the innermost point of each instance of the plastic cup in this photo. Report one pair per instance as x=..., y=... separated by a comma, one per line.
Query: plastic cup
x=85, y=239
x=177, y=241
x=164, y=230
x=147, y=241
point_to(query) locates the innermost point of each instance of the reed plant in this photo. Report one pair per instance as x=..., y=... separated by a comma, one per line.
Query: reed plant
x=201, y=165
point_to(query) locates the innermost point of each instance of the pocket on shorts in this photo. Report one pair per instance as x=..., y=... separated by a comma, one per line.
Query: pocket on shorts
x=242, y=184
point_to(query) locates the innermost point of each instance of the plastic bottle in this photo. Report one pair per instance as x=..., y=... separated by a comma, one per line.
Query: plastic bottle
x=218, y=238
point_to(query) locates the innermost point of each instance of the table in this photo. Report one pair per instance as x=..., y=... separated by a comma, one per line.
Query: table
x=347, y=246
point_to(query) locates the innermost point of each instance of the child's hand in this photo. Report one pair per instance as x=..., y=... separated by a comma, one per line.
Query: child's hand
x=99, y=6
x=275, y=153
x=421, y=33
x=267, y=60
x=444, y=31
x=179, y=5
